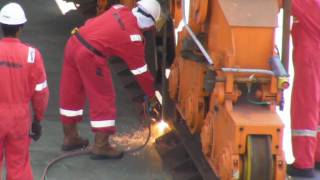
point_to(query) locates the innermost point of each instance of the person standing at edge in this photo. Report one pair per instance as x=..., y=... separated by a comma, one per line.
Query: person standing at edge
x=305, y=107
x=85, y=73
x=23, y=81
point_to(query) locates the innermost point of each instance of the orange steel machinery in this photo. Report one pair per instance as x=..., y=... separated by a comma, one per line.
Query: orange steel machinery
x=226, y=82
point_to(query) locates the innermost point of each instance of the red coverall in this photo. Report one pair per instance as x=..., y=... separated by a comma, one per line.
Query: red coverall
x=114, y=33
x=305, y=110
x=23, y=80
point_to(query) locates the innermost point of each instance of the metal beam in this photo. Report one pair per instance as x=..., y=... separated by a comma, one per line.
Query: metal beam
x=285, y=54
x=193, y=147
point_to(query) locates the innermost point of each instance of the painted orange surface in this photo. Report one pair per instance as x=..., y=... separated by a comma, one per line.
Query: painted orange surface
x=239, y=34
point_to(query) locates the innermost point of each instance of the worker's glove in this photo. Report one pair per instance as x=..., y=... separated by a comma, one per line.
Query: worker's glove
x=153, y=108
x=36, y=130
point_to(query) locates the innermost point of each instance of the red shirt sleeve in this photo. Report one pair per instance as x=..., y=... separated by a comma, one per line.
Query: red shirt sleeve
x=133, y=55
x=40, y=96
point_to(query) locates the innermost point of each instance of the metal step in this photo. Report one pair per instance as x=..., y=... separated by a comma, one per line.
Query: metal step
x=176, y=158
x=186, y=171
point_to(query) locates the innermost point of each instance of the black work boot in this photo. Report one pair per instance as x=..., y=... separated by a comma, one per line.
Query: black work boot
x=317, y=166
x=72, y=140
x=296, y=172
x=102, y=149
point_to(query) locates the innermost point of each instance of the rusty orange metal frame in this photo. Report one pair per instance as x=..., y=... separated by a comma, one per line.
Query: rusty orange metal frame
x=239, y=34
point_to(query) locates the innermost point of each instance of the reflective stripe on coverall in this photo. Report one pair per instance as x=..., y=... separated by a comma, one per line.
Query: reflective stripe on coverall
x=23, y=80
x=85, y=74
x=305, y=110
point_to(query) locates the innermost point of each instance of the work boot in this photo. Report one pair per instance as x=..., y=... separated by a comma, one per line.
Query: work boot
x=296, y=172
x=317, y=166
x=72, y=139
x=102, y=149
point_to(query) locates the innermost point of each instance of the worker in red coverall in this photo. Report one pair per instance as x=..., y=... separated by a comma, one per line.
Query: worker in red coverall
x=116, y=32
x=22, y=81
x=305, y=108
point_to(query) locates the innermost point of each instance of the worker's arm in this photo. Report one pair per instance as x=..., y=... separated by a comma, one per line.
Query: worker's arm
x=134, y=57
x=40, y=96
x=139, y=69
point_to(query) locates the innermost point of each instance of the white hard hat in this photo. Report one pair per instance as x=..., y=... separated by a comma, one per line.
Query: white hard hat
x=12, y=14
x=151, y=7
